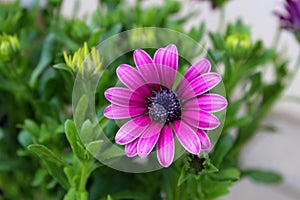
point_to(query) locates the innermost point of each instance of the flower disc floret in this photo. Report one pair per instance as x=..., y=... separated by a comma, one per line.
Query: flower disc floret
x=164, y=106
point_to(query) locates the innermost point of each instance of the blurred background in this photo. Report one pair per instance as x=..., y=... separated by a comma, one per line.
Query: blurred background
x=266, y=150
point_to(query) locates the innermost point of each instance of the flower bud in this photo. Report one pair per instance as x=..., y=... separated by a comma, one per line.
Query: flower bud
x=84, y=61
x=238, y=45
x=9, y=45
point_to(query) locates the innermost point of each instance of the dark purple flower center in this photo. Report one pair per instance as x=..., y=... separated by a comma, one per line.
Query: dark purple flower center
x=164, y=106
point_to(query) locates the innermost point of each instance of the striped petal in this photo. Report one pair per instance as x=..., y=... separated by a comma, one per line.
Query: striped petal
x=207, y=102
x=132, y=129
x=166, y=61
x=187, y=137
x=165, y=147
x=148, y=139
x=124, y=97
x=130, y=77
x=204, y=139
x=200, y=85
x=146, y=67
x=131, y=148
x=119, y=112
x=200, y=119
x=201, y=67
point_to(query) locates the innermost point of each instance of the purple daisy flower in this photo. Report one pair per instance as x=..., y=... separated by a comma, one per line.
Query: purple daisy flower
x=155, y=109
x=291, y=19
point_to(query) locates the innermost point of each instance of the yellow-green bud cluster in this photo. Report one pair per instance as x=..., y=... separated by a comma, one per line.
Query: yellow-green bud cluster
x=9, y=45
x=238, y=45
x=84, y=61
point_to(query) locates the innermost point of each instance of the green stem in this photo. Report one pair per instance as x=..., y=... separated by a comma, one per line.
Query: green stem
x=234, y=78
x=83, y=177
x=221, y=19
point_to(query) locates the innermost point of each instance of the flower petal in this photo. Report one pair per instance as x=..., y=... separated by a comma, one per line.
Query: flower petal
x=204, y=139
x=124, y=97
x=146, y=67
x=200, y=85
x=201, y=67
x=207, y=102
x=200, y=119
x=148, y=139
x=130, y=77
x=166, y=61
x=131, y=148
x=187, y=137
x=119, y=112
x=132, y=129
x=165, y=147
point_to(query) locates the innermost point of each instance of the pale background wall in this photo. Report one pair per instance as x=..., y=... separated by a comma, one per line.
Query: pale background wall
x=277, y=151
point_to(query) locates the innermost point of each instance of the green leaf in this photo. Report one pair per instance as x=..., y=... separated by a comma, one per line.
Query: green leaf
x=263, y=176
x=50, y=88
x=238, y=122
x=221, y=149
x=182, y=177
x=209, y=167
x=63, y=66
x=39, y=177
x=95, y=37
x=229, y=174
x=74, y=140
x=46, y=154
x=94, y=147
x=62, y=37
x=114, y=30
x=45, y=59
x=57, y=173
x=109, y=197
x=130, y=195
x=52, y=162
x=32, y=128
x=111, y=153
x=25, y=138
x=217, y=40
x=72, y=175
x=255, y=85
x=80, y=110
x=213, y=189
x=86, y=132
x=197, y=34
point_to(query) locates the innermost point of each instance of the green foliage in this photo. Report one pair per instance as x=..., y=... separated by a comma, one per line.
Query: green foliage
x=263, y=176
x=46, y=155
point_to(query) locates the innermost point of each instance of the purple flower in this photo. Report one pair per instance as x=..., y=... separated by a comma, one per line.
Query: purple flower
x=290, y=20
x=156, y=109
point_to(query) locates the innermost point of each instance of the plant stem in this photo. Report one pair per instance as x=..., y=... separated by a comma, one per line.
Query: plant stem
x=221, y=19
x=83, y=177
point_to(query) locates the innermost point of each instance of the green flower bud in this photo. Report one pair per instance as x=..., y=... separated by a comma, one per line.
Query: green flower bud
x=238, y=45
x=84, y=61
x=9, y=45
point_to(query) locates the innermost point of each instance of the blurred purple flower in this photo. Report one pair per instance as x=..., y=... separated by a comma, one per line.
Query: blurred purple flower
x=156, y=110
x=290, y=20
